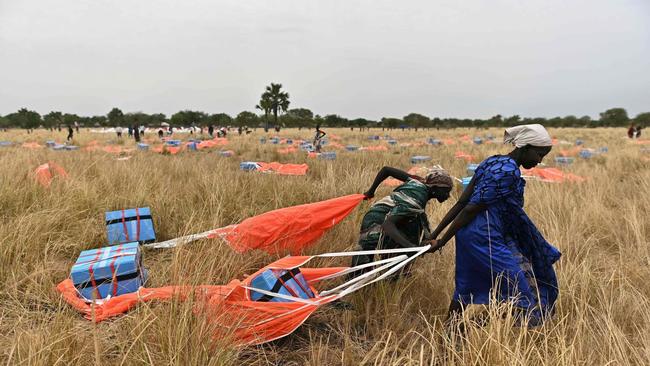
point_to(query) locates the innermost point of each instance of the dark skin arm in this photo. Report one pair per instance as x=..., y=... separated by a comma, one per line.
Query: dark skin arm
x=384, y=174
x=390, y=228
x=455, y=210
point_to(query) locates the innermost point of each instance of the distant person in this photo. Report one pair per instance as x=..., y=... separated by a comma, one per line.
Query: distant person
x=118, y=131
x=160, y=133
x=130, y=130
x=70, y=133
x=277, y=128
x=637, y=134
x=76, y=126
x=631, y=131
x=239, y=130
x=211, y=130
x=318, y=138
x=136, y=134
x=142, y=130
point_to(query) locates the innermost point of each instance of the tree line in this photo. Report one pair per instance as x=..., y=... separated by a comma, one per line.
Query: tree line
x=274, y=102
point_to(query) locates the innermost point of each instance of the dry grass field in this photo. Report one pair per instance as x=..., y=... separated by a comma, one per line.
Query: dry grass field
x=601, y=226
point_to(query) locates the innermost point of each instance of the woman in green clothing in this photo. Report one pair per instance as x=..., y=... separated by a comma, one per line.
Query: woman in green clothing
x=398, y=220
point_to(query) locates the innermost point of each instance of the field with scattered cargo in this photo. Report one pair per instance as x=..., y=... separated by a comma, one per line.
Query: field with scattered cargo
x=596, y=213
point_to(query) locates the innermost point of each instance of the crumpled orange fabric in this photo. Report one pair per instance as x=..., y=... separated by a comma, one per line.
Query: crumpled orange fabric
x=553, y=175
x=283, y=169
x=46, y=172
x=288, y=229
x=229, y=307
x=463, y=155
x=32, y=145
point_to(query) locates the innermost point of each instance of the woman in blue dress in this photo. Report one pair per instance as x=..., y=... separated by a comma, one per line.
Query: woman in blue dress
x=498, y=248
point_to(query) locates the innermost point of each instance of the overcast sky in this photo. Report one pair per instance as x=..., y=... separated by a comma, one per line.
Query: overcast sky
x=363, y=58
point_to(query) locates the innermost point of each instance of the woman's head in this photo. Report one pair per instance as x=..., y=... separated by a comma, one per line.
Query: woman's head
x=439, y=183
x=532, y=143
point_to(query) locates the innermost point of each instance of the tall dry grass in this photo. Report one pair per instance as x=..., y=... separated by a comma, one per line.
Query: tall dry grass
x=601, y=226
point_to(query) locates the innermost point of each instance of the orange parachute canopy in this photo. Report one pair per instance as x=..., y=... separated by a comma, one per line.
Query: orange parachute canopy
x=287, y=150
x=290, y=228
x=32, y=145
x=230, y=308
x=283, y=169
x=570, y=152
x=374, y=148
x=463, y=155
x=553, y=175
x=416, y=170
x=448, y=141
x=46, y=172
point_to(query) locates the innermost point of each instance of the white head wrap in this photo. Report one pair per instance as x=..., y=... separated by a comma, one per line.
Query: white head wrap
x=520, y=136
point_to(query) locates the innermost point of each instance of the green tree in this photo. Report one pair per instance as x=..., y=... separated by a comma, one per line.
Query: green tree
x=615, y=117
x=298, y=117
x=642, y=119
x=265, y=105
x=220, y=119
x=417, y=120
x=188, y=118
x=52, y=119
x=279, y=100
x=70, y=119
x=334, y=120
x=25, y=118
x=246, y=118
x=4, y=122
x=115, y=117
x=391, y=122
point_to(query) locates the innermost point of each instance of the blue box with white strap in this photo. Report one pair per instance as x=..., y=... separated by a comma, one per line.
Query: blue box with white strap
x=131, y=225
x=109, y=271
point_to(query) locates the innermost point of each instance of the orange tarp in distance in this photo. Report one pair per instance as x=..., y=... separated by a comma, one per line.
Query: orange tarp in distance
x=32, y=145
x=287, y=150
x=283, y=169
x=374, y=148
x=552, y=175
x=44, y=173
x=463, y=155
x=290, y=228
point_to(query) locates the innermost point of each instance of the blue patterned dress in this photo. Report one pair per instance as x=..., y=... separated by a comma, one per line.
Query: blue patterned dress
x=502, y=249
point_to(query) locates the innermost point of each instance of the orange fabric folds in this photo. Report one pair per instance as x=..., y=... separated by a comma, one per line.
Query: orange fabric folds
x=230, y=308
x=291, y=228
x=283, y=169
x=553, y=175
x=46, y=172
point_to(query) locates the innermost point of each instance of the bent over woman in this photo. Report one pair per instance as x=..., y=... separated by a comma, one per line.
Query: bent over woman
x=497, y=246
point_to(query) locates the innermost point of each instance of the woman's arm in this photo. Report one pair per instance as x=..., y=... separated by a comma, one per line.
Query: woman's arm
x=466, y=215
x=390, y=228
x=383, y=174
x=454, y=211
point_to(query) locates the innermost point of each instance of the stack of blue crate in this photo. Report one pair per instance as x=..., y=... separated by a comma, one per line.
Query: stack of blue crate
x=329, y=155
x=563, y=160
x=248, y=165
x=143, y=146
x=352, y=148
x=130, y=225
x=420, y=159
x=109, y=271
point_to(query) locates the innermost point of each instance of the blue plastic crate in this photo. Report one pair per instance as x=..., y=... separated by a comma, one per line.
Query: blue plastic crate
x=50, y=143
x=275, y=140
x=564, y=160
x=173, y=142
x=286, y=282
x=329, y=155
x=5, y=143
x=465, y=182
x=433, y=141
x=579, y=142
x=71, y=147
x=289, y=142
x=143, y=147
x=225, y=153
x=478, y=140
x=603, y=150
x=375, y=137
x=471, y=169
x=248, y=165
x=58, y=147
x=419, y=159
x=306, y=146
x=586, y=154
x=109, y=271
x=352, y=148
x=125, y=226
x=263, y=140
x=192, y=146
x=324, y=142
x=392, y=142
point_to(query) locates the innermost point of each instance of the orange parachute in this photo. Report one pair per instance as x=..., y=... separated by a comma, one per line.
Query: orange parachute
x=374, y=148
x=291, y=228
x=287, y=150
x=32, y=145
x=553, y=175
x=265, y=306
x=46, y=172
x=463, y=155
x=283, y=169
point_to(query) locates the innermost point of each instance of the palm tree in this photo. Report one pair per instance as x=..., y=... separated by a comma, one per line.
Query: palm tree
x=265, y=106
x=279, y=100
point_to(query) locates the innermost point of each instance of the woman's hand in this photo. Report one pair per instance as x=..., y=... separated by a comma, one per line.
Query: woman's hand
x=368, y=195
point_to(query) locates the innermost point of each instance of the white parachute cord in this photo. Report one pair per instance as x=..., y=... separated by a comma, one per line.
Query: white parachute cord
x=389, y=263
